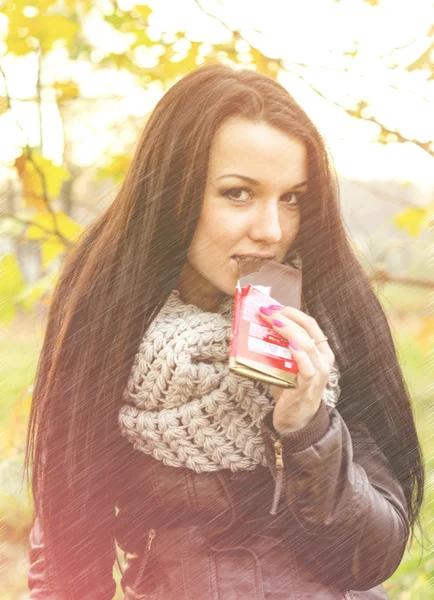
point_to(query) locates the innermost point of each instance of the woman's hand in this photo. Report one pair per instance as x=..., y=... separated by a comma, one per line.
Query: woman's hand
x=295, y=407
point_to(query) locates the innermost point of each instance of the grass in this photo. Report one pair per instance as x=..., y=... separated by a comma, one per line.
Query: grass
x=414, y=578
x=19, y=351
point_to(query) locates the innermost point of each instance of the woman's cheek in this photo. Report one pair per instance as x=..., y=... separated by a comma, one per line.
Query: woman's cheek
x=223, y=230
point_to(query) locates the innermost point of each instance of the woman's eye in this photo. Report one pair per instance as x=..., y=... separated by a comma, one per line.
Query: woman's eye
x=292, y=199
x=237, y=194
x=242, y=195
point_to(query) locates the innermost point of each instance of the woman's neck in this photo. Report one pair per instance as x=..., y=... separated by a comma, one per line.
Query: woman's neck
x=195, y=289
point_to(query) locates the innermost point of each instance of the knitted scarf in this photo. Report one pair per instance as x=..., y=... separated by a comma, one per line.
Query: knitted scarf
x=182, y=404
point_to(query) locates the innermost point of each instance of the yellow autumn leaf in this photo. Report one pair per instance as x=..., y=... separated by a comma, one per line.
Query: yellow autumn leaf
x=67, y=90
x=16, y=6
x=16, y=424
x=413, y=220
x=120, y=61
x=144, y=10
x=85, y=5
x=53, y=28
x=14, y=11
x=38, y=292
x=44, y=226
x=51, y=250
x=425, y=336
x=11, y=280
x=54, y=247
x=4, y=105
x=116, y=168
x=44, y=229
x=46, y=28
x=43, y=5
x=39, y=176
x=11, y=283
x=175, y=68
x=17, y=46
x=263, y=64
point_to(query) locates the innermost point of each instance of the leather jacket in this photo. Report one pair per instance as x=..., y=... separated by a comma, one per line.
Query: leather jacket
x=339, y=531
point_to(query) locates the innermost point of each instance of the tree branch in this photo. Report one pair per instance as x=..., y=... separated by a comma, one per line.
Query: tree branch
x=38, y=93
x=381, y=276
x=27, y=223
x=348, y=71
x=28, y=150
x=9, y=101
x=426, y=146
x=46, y=198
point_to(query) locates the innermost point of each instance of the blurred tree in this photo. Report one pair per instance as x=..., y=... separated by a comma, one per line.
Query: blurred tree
x=41, y=210
x=358, y=108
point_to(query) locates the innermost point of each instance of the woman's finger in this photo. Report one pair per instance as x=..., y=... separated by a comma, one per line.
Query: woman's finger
x=292, y=331
x=306, y=369
x=301, y=335
x=308, y=324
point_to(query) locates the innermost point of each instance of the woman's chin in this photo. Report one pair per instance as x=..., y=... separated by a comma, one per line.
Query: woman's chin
x=229, y=285
x=225, y=289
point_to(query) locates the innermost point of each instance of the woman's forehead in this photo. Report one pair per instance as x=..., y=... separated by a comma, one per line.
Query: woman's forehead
x=257, y=150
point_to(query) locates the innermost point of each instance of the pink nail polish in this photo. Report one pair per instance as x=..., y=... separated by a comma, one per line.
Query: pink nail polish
x=275, y=307
x=294, y=345
x=277, y=323
x=266, y=311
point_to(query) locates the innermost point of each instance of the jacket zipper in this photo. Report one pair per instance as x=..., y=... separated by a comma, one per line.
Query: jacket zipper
x=151, y=537
x=278, y=453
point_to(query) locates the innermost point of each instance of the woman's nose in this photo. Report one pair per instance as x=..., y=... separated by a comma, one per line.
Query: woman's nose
x=266, y=226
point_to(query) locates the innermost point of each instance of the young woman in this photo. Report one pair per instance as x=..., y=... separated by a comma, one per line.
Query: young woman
x=140, y=435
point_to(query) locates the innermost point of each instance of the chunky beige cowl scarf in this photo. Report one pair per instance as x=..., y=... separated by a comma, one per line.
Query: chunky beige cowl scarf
x=182, y=404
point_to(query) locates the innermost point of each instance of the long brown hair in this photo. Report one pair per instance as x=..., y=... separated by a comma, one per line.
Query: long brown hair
x=120, y=273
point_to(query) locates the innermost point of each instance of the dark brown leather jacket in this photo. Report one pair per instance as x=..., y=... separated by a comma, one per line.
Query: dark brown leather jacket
x=339, y=531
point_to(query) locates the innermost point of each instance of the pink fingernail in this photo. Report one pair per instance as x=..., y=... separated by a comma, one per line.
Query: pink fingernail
x=277, y=323
x=294, y=345
x=266, y=311
x=275, y=307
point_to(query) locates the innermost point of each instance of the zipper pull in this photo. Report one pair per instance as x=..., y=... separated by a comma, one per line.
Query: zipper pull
x=151, y=537
x=278, y=452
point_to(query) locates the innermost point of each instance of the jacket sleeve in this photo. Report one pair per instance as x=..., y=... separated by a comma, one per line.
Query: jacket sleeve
x=99, y=585
x=38, y=586
x=342, y=492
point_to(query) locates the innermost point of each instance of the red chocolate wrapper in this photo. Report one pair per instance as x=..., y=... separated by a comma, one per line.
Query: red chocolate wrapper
x=256, y=350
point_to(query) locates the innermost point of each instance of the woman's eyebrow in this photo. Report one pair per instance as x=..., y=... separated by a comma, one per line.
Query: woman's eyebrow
x=255, y=182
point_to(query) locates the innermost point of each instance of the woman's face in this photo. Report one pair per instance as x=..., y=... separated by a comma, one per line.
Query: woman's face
x=256, y=175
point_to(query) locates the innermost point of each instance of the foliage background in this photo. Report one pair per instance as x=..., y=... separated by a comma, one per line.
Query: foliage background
x=77, y=79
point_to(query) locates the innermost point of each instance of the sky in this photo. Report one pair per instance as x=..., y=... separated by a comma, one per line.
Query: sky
x=313, y=32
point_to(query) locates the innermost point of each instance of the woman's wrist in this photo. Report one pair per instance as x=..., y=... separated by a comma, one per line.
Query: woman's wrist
x=295, y=422
x=292, y=429
x=300, y=439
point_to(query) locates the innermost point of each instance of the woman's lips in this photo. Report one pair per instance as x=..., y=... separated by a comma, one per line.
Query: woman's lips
x=254, y=256
x=246, y=264
x=234, y=264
